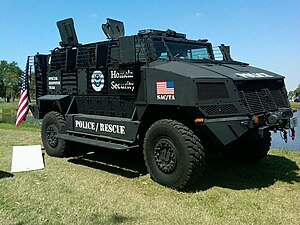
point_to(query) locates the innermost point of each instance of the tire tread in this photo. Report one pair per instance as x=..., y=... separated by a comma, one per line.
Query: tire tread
x=196, y=155
x=65, y=145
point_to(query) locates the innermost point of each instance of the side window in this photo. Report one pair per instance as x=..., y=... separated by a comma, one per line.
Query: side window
x=163, y=55
x=199, y=53
x=160, y=50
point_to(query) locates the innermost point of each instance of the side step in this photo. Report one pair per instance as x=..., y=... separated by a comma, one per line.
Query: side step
x=98, y=143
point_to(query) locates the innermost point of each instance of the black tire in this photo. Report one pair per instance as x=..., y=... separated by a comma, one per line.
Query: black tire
x=54, y=123
x=249, y=148
x=173, y=154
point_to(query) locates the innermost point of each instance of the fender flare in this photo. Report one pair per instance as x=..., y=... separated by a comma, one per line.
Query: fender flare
x=48, y=103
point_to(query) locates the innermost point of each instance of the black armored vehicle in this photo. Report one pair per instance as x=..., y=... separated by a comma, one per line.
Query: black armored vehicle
x=159, y=92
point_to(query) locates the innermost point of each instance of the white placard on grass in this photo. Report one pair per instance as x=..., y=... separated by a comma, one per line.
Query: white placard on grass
x=26, y=158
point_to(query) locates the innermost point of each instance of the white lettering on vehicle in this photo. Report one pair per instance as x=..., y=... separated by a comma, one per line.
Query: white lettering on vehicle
x=121, y=74
x=122, y=86
x=253, y=75
x=121, y=80
x=52, y=78
x=52, y=82
x=85, y=124
x=165, y=97
x=102, y=127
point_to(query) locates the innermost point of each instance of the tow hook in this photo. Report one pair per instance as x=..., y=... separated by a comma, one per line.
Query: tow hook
x=293, y=134
x=285, y=136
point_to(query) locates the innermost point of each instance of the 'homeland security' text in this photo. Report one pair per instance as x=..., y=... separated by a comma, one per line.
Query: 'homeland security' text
x=121, y=74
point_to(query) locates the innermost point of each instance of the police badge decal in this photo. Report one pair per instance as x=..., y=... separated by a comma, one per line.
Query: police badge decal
x=97, y=80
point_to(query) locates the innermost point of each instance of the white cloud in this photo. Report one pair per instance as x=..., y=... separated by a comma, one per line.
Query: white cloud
x=197, y=14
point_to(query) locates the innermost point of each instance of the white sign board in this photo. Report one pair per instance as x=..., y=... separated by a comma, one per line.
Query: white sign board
x=26, y=158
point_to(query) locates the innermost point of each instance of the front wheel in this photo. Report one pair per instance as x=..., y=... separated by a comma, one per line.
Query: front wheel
x=173, y=154
x=53, y=124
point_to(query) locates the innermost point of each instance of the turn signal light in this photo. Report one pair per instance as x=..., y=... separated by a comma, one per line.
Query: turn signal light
x=199, y=120
x=255, y=119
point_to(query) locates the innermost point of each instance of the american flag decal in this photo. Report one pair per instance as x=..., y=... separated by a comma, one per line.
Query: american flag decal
x=165, y=87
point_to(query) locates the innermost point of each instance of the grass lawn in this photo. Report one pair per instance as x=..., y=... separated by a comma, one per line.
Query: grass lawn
x=104, y=187
x=8, y=108
x=8, y=112
x=295, y=105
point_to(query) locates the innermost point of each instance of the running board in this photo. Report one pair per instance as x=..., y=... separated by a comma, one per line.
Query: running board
x=98, y=143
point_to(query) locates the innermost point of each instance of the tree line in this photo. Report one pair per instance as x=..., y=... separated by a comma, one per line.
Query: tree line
x=295, y=94
x=10, y=81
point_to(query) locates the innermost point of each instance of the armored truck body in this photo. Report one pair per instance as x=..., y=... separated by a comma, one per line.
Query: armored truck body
x=159, y=92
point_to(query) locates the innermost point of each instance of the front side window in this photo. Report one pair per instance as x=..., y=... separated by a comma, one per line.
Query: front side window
x=188, y=50
x=181, y=50
x=163, y=55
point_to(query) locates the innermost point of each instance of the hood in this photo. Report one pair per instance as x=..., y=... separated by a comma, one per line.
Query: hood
x=236, y=71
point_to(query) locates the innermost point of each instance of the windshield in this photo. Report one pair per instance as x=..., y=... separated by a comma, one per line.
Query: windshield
x=182, y=50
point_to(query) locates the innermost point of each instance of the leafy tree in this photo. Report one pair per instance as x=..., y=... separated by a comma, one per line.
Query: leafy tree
x=297, y=91
x=9, y=80
x=295, y=94
x=291, y=94
x=3, y=68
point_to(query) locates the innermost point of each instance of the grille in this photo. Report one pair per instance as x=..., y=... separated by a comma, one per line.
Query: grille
x=222, y=109
x=280, y=97
x=259, y=100
x=208, y=91
x=69, y=83
x=86, y=57
x=58, y=60
x=113, y=52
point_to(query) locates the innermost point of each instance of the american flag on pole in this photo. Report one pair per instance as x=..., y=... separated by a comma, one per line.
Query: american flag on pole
x=23, y=103
x=165, y=87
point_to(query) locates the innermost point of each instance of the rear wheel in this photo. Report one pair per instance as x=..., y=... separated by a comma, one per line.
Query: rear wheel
x=173, y=154
x=53, y=124
x=251, y=147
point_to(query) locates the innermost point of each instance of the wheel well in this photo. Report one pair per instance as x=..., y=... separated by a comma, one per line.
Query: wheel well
x=60, y=105
x=184, y=115
x=46, y=106
x=158, y=112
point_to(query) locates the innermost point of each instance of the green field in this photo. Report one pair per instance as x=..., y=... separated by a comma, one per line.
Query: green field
x=8, y=108
x=104, y=187
x=295, y=105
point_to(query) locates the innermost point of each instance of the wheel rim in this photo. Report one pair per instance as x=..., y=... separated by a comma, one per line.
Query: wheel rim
x=51, y=133
x=165, y=155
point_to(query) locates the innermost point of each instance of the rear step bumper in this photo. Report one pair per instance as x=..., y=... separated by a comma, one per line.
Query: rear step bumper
x=98, y=143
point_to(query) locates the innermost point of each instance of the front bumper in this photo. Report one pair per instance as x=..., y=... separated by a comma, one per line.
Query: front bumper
x=226, y=130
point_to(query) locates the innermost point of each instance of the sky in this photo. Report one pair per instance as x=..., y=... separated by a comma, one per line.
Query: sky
x=265, y=34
